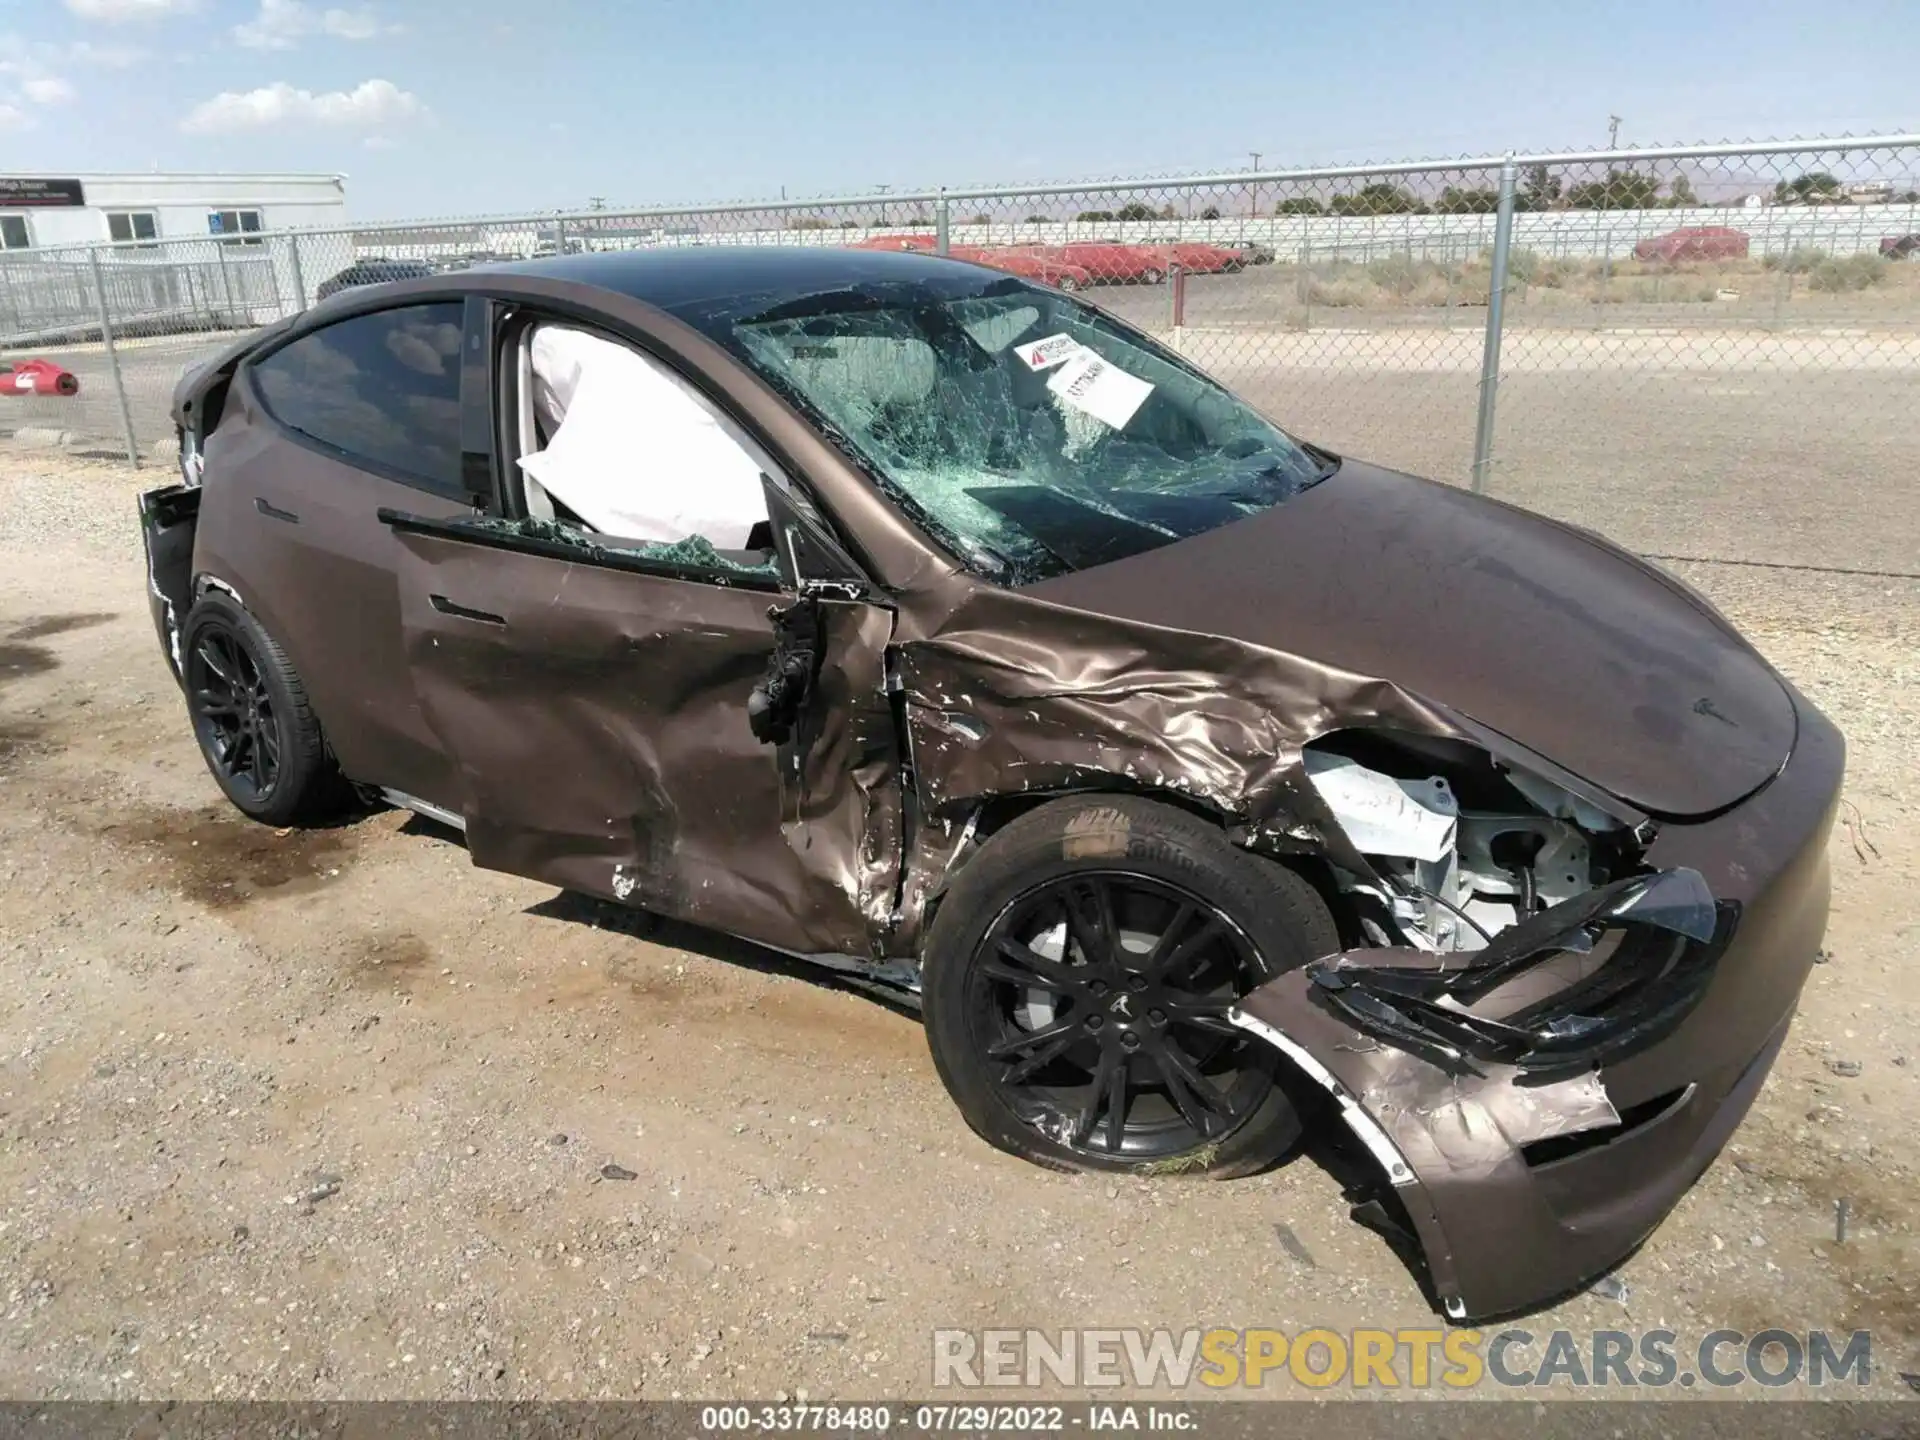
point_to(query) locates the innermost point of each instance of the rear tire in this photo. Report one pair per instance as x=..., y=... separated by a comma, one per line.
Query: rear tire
x=256, y=730
x=1076, y=979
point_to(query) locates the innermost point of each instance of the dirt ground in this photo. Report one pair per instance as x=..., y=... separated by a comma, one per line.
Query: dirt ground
x=325, y=1113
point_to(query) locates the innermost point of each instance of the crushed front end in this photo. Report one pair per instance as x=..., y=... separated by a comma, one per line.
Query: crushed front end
x=1541, y=1077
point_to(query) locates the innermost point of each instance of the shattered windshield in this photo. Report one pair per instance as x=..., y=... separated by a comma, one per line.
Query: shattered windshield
x=1031, y=434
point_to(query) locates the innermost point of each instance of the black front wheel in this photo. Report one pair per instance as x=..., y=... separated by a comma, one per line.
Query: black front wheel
x=1077, y=980
x=256, y=731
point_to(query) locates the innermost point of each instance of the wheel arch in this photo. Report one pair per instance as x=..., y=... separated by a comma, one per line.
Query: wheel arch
x=987, y=815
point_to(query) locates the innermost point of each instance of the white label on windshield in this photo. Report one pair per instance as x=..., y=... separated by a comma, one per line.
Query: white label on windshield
x=1045, y=354
x=1108, y=394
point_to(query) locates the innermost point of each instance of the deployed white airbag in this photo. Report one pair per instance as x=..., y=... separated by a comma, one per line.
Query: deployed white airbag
x=634, y=453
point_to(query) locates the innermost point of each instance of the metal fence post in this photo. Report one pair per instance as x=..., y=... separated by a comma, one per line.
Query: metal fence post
x=560, y=234
x=942, y=224
x=113, y=357
x=1496, y=317
x=226, y=283
x=299, y=276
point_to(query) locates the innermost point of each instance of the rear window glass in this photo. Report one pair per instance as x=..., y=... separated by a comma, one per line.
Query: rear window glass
x=382, y=389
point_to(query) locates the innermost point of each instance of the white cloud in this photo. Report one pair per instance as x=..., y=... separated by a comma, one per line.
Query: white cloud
x=282, y=24
x=108, y=57
x=47, y=90
x=380, y=142
x=12, y=117
x=28, y=64
x=370, y=103
x=351, y=24
x=115, y=11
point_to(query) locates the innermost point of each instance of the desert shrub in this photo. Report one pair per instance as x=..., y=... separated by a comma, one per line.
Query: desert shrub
x=1341, y=290
x=1396, y=273
x=1798, y=260
x=1522, y=264
x=1554, y=273
x=1856, y=272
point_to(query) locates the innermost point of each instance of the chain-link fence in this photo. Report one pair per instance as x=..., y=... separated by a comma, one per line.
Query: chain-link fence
x=1705, y=351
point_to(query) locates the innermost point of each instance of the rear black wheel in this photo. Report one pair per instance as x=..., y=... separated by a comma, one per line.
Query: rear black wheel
x=257, y=733
x=1077, y=982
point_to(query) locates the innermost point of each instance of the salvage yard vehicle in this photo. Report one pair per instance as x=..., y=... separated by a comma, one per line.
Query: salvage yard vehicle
x=374, y=270
x=1694, y=242
x=942, y=629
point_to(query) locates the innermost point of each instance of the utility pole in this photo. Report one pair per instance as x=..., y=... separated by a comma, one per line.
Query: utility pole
x=1613, y=132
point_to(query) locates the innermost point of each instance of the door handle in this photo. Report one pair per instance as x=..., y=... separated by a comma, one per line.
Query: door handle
x=274, y=512
x=465, y=612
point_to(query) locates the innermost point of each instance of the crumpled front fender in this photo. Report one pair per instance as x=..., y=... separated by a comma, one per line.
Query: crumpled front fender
x=1521, y=1188
x=1469, y=1155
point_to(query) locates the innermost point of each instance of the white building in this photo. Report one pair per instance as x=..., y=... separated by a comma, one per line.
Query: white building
x=41, y=210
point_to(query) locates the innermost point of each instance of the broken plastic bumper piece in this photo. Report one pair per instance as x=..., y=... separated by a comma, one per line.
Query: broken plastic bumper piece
x=1634, y=1038
x=1635, y=957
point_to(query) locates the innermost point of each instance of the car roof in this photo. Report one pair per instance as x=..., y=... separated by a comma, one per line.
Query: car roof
x=687, y=278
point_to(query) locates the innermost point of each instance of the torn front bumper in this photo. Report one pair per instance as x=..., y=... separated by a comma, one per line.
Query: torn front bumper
x=1521, y=1184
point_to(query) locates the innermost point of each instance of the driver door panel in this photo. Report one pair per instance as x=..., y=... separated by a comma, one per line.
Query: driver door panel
x=597, y=716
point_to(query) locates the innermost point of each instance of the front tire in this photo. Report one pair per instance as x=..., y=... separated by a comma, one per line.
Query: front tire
x=256, y=731
x=1076, y=983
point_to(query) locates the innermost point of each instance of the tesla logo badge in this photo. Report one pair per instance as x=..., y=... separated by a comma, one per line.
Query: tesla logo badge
x=1704, y=706
x=1120, y=1004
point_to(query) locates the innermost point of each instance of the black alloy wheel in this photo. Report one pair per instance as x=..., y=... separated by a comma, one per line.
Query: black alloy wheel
x=1100, y=1010
x=256, y=729
x=233, y=712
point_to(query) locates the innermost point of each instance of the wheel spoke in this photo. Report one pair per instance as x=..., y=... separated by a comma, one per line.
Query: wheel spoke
x=1016, y=1044
x=256, y=762
x=1041, y=1057
x=1090, y=922
x=1117, y=1107
x=1193, y=1094
x=1205, y=1017
x=1097, y=1095
x=1181, y=955
x=1169, y=937
x=212, y=706
x=1018, y=964
x=216, y=662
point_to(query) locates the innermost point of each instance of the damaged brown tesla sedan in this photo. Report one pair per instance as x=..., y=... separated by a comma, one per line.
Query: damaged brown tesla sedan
x=935, y=626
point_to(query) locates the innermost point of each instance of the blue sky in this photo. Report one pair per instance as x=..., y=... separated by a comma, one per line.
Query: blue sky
x=441, y=107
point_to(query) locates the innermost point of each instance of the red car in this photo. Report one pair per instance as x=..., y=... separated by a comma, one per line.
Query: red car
x=1198, y=258
x=1031, y=263
x=1112, y=263
x=1698, y=242
x=1900, y=247
x=896, y=242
